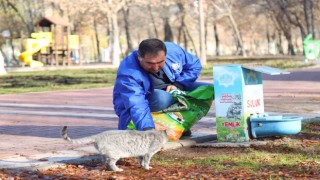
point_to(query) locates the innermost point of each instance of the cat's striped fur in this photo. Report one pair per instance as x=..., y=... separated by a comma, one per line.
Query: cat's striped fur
x=116, y=144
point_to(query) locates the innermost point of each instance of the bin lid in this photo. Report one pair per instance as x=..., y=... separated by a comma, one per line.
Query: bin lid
x=267, y=70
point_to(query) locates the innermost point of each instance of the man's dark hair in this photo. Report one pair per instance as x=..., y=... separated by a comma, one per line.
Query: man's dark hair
x=151, y=46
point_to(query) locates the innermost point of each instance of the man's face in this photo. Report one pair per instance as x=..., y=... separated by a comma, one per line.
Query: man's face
x=153, y=63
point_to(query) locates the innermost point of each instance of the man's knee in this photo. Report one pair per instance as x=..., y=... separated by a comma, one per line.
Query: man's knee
x=160, y=100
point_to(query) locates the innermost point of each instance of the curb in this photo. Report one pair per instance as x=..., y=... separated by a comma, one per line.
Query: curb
x=231, y=145
x=188, y=142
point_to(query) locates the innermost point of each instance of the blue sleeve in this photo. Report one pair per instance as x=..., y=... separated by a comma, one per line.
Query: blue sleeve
x=134, y=99
x=191, y=69
x=190, y=65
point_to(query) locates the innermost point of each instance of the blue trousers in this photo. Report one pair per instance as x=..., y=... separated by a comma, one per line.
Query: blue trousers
x=161, y=99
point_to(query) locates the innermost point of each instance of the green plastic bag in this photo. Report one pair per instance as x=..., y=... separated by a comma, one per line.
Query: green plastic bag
x=189, y=108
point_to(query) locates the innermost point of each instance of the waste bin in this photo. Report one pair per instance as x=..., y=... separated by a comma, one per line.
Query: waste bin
x=311, y=48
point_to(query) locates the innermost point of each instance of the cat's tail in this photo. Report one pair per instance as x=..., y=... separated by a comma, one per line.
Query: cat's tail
x=65, y=136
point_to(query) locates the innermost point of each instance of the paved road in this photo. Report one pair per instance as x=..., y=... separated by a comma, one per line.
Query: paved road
x=30, y=123
x=297, y=92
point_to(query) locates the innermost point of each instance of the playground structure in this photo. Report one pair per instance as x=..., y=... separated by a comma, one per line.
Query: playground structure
x=52, y=44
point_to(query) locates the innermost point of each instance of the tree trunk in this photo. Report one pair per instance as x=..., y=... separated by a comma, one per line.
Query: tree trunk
x=5, y=57
x=97, y=39
x=12, y=48
x=206, y=34
x=2, y=69
x=180, y=29
x=152, y=21
x=31, y=18
x=296, y=21
x=180, y=32
x=306, y=8
x=216, y=36
x=15, y=9
x=237, y=32
x=185, y=40
x=279, y=44
x=290, y=44
x=191, y=39
x=313, y=30
x=291, y=49
x=115, y=40
x=301, y=27
x=268, y=39
x=168, y=35
x=203, y=53
x=127, y=29
x=183, y=29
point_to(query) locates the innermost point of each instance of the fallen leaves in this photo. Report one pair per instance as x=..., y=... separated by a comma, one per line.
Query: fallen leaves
x=96, y=171
x=182, y=163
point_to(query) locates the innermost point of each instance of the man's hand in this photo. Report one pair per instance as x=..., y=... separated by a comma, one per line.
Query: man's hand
x=170, y=88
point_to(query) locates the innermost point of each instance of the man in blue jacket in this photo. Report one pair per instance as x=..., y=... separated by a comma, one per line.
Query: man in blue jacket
x=145, y=78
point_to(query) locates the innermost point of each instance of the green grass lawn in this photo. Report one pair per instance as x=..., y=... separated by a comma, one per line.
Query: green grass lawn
x=22, y=82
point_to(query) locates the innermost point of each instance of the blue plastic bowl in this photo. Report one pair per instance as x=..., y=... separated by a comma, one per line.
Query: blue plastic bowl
x=266, y=126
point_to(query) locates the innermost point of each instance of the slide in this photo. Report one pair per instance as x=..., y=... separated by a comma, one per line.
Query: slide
x=33, y=46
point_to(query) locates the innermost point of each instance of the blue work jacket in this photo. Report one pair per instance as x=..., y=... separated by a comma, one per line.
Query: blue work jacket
x=133, y=86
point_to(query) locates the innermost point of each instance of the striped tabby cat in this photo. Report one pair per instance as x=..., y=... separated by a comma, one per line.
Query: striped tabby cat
x=116, y=144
